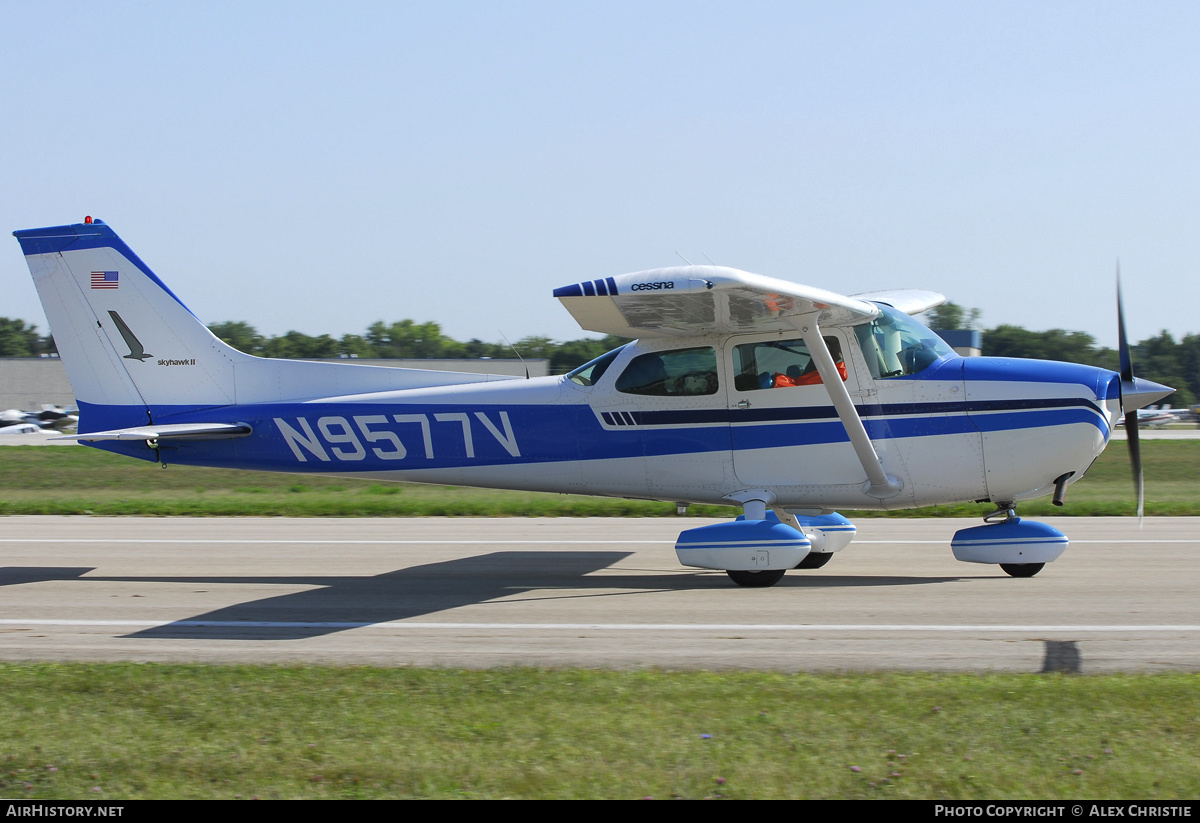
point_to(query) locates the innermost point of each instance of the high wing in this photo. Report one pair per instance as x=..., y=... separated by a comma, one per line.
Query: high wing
x=909, y=301
x=684, y=301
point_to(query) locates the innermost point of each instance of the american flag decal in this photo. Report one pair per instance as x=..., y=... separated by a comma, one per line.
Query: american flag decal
x=104, y=280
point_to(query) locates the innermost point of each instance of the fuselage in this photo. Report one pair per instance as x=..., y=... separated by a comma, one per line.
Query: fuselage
x=952, y=429
x=720, y=400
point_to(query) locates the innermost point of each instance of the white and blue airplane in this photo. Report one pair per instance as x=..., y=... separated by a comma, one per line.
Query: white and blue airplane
x=788, y=401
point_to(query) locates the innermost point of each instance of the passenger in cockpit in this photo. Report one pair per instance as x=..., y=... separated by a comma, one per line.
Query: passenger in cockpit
x=809, y=376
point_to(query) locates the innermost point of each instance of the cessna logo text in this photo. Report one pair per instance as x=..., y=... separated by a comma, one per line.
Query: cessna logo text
x=386, y=436
x=664, y=284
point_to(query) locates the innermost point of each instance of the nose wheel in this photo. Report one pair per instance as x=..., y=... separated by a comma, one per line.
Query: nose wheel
x=1007, y=513
x=1021, y=548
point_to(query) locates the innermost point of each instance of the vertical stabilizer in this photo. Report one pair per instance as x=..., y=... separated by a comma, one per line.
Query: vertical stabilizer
x=130, y=347
x=135, y=354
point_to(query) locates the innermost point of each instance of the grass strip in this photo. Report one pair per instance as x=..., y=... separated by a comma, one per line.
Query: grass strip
x=78, y=480
x=126, y=731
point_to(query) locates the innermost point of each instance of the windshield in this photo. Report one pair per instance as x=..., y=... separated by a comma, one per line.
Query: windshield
x=591, y=371
x=895, y=345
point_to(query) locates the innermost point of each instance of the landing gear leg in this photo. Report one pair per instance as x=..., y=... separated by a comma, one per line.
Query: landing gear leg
x=1004, y=513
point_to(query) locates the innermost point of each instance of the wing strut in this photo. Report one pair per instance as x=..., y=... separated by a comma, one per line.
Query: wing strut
x=880, y=484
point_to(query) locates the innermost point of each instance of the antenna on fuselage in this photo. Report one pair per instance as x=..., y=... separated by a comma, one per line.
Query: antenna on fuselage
x=517, y=353
x=684, y=259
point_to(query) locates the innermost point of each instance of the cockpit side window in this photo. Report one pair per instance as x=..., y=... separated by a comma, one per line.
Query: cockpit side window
x=895, y=345
x=678, y=373
x=772, y=364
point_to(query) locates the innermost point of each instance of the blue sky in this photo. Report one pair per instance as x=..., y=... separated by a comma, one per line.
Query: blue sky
x=319, y=167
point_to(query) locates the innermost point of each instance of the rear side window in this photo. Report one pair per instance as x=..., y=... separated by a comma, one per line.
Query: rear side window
x=679, y=373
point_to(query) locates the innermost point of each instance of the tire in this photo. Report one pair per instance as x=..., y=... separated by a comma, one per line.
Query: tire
x=755, y=580
x=1022, y=569
x=814, y=560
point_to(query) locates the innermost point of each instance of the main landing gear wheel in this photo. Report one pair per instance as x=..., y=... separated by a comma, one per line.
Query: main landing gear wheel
x=1022, y=569
x=814, y=560
x=755, y=580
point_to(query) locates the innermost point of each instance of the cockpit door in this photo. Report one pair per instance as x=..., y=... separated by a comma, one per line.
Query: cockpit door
x=785, y=432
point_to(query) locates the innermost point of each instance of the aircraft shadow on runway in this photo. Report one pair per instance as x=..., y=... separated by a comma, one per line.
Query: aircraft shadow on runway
x=16, y=575
x=346, y=602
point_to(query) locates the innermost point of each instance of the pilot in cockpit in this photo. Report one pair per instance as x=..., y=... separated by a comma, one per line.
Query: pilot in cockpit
x=808, y=375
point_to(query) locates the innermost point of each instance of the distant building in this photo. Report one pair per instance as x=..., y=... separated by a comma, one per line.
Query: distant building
x=966, y=342
x=28, y=383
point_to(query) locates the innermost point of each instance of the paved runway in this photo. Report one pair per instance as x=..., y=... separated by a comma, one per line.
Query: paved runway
x=1160, y=434
x=588, y=592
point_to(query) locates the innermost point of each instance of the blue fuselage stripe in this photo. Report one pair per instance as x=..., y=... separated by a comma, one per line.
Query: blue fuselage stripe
x=351, y=438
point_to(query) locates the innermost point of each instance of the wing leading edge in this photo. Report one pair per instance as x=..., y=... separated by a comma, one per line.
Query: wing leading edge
x=684, y=301
x=909, y=301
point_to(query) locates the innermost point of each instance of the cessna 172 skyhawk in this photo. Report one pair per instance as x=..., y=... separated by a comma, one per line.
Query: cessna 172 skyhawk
x=786, y=400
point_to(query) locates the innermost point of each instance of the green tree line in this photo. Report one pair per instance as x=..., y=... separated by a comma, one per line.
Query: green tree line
x=1160, y=358
x=20, y=340
x=409, y=340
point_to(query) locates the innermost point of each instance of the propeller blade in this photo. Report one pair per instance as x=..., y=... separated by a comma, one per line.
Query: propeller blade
x=1122, y=343
x=1135, y=394
x=1135, y=460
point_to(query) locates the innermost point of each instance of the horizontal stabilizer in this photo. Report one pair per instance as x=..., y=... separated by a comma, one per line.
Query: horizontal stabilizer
x=174, y=431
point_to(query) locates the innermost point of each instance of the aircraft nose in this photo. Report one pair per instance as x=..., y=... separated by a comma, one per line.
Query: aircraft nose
x=1138, y=393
